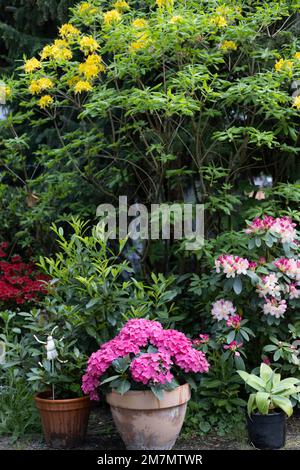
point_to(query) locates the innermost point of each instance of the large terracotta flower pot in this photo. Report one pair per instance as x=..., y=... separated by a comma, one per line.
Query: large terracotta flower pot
x=64, y=421
x=144, y=422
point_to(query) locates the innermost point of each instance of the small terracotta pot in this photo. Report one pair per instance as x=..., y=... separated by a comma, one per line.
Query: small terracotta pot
x=64, y=421
x=144, y=422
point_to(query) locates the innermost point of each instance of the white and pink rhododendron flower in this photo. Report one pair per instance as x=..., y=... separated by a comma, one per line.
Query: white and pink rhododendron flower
x=222, y=309
x=275, y=308
x=231, y=265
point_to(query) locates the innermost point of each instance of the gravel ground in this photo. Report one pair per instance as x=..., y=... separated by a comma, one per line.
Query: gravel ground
x=102, y=435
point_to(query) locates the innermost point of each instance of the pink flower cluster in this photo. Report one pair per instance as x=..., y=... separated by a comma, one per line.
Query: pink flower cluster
x=222, y=309
x=231, y=265
x=203, y=339
x=173, y=347
x=269, y=286
x=283, y=227
x=233, y=347
x=289, y=266
x=152, y=368
x=234, y=322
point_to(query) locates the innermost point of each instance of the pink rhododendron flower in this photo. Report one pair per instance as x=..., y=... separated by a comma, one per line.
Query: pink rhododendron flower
x=289, y=266
x=269, y=286
x=283, y=227
x=274, y=307
x=252, y=265
x=293, y=291
x=231, y=265
x=203, y=339
x=234, y=322
x=152, y=368
x=267, y=361
x=222, y=309
x=233, y=346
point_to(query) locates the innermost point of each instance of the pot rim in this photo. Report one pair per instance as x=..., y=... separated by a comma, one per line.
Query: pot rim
x=40, y=399
x=269, y=415
x=146, y=400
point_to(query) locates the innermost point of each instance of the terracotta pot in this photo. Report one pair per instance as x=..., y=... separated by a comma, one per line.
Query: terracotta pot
x=144, y=422
x=64, y=421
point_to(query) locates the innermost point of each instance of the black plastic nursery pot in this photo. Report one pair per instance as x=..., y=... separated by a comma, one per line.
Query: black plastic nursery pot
x=267, y=431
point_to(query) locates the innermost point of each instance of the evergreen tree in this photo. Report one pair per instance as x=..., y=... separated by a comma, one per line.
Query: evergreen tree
x=26, y=25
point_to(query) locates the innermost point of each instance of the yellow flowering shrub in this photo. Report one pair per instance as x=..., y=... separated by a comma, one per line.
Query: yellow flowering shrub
x=228, y=45
x=121, y=5
x=31, y=65
x=88, y=44
x=68, y=31
x=112, y=16
x=283, y=64
x=86, y=8
x=82, y=86
x=45, y=101
x=140, y=23
x=296, y=102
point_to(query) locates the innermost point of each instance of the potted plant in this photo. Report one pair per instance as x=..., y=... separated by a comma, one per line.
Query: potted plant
x=64, y=412
x=146, y=374
x=267, y=407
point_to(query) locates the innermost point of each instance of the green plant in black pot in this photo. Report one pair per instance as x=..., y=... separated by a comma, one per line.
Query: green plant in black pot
x=268, y=406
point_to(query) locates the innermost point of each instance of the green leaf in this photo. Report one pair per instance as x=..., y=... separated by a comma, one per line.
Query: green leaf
x=251, y=403
x=237, y=285
x=284, y=404
x=265, y=372
x=263, y=402
x=123, y=387
x=113, y=377
x=158, y=392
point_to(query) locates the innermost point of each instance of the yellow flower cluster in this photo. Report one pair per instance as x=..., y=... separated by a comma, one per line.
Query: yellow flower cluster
x=88, y=45
x=86, y=8
x=68, y=31
x=121, y=5
x=140, y=23
x=91, y=67
x=164, y=3
x=82, y=86
x=283, y=64
x=296, y=102
x=58, y=51
x=228, y=46
x=176, y=19
x=112, y=16
x=45, y=101
x=31, y=65
x=36, y=86
x=297, y=55
x=219, y=21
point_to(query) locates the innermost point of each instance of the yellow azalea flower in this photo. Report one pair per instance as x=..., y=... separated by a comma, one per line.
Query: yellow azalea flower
x=219, y=21
x=89, y=71
x=32, y=64
x=57, y=51
x=121, y=5
x=111, y=16
x=82, y=86
x=88, y=44
x=164, y=3
x=87, y=8
x=140, y=23
x=283, y=64
x=36, y=86
x=297, y=55
x=73, y=80
x=176, y=19
x=228, y=46
x=68, y=31
x=296, y=102
x=45, y=101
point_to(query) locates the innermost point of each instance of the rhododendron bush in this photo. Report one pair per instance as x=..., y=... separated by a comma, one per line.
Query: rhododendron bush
x=20, y=282
x=143, y=355
x=255, y=299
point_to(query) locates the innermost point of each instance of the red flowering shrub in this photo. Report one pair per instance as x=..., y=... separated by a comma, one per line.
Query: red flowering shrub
x=19, y=282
